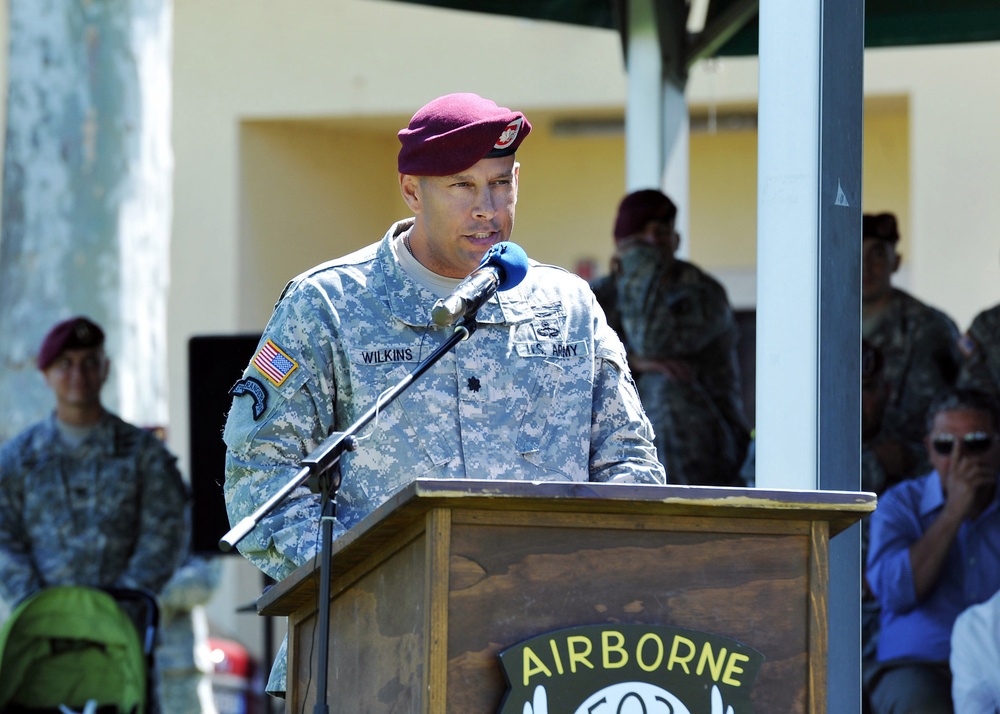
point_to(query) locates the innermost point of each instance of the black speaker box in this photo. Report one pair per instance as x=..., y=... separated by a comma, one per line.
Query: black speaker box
x=215, y=363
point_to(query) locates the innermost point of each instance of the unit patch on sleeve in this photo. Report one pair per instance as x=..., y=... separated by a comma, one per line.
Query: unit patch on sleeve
x=273, y=363
x=256, y=390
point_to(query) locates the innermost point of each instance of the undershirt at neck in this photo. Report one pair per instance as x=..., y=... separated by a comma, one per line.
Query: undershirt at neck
x=427, y=279
x=73, y=435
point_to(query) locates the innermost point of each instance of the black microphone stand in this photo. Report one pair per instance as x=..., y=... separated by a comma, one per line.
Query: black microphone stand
x=318, y=463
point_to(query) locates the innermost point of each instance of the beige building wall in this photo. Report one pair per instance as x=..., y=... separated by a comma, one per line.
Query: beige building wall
x=315, y=190
x=954, y=254
x=284, y=139
x=724, y=183
x=723, y=175
x=944, y=193
x=309, y=192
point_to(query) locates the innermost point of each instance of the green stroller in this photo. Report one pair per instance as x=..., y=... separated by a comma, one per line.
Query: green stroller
x=70, y=649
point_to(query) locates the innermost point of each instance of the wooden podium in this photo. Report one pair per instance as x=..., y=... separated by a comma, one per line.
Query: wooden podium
x=429, y=588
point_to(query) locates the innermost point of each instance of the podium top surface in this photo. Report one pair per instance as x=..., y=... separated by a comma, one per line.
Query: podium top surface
x=840, y=509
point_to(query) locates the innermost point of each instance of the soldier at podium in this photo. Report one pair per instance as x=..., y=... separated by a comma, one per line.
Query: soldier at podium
x=540, y=391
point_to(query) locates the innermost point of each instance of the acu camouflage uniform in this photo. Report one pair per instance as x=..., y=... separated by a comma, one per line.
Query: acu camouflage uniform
x=920, y=347
x=981, y=346
x=540, y=391
x=108, y=512
x=700, y=426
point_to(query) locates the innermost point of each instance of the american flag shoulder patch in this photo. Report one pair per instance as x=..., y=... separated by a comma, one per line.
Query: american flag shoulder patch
x=273, y=363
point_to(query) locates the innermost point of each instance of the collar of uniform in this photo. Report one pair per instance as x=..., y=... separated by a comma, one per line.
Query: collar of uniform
x=510, y=306
x=47, y=439
x=411, y=304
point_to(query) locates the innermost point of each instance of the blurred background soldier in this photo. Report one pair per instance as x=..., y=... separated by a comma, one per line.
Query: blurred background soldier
x=681, y=337
x=86, y=498
x=919, y=346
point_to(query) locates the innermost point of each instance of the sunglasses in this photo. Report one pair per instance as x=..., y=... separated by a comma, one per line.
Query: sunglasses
x=976, y=442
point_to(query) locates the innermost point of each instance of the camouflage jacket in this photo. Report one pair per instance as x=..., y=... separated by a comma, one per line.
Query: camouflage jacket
x=920, y=347
x=682, y=315
x=540, y=391
x=981, y=345
x=109, y=512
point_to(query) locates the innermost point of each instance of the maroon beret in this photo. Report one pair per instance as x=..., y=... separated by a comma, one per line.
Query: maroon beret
x=455, y=131
x=639, y=208
x=879, y=225
x=74, y=333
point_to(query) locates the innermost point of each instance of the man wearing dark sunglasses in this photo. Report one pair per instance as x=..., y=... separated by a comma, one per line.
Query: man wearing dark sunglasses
x=934, y=551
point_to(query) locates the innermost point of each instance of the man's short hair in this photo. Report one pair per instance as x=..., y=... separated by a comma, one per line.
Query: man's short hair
x=964, y=399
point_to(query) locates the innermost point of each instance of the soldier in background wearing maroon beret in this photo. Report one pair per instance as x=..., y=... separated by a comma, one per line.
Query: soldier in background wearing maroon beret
x=677, y=324
x=86, y=498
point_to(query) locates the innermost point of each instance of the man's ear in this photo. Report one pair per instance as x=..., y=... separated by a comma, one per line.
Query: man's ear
x=896, y=260
x=409, y=187
x=675, y=241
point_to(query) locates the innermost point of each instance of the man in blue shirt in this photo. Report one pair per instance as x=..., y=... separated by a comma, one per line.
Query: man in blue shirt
x=934, y=551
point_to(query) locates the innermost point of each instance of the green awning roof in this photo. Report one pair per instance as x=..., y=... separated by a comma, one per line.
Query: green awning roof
x=897, y=23
x=888, y=23
x=591, y=13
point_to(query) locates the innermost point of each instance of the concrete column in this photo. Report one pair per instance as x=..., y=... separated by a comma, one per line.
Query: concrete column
x=87, y=196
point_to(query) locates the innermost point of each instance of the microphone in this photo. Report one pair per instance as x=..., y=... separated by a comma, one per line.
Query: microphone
x=503, y=267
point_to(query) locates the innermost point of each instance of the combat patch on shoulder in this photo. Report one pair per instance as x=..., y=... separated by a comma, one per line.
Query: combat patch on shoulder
x=273, y=363
x=256, y=390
